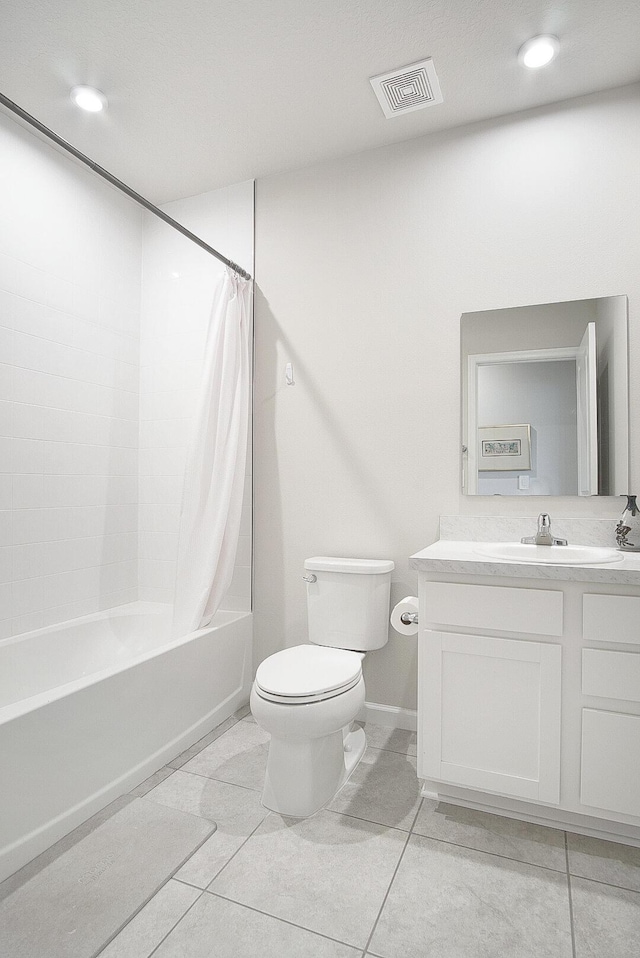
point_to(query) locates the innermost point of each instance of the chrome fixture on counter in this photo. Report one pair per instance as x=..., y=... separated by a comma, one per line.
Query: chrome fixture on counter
x=543, y=536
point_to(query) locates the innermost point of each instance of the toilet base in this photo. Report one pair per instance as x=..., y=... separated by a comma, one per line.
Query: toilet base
x=303, y=777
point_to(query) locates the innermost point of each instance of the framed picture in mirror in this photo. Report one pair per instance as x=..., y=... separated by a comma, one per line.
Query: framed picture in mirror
x=504, y=447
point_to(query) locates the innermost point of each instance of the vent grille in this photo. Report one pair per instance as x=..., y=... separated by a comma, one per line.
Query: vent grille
x=410, y=88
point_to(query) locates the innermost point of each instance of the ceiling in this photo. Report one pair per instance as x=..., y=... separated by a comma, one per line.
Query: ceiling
x=204, y=93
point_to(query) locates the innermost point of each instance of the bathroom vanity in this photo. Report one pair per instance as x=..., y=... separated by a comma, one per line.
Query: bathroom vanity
x=529, y=687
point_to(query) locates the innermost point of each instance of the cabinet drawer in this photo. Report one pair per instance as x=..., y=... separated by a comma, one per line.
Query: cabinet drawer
x=611, y=618
x=611, y=675
x=536, y=611
x=610, y=770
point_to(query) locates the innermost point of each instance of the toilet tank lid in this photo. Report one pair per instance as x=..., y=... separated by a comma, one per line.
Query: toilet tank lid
x=361, y=566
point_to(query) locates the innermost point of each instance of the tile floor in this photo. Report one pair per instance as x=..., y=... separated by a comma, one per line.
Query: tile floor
x=380, y=872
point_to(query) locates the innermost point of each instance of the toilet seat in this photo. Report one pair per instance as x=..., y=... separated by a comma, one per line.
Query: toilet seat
x=307, y=673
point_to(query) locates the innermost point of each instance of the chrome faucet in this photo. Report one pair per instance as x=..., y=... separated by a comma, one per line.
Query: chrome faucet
x=543, y=536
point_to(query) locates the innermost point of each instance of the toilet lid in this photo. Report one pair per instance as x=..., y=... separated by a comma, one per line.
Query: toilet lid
x=308, y=670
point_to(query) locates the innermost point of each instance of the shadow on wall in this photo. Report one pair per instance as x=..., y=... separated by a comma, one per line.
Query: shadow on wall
x=338, y=479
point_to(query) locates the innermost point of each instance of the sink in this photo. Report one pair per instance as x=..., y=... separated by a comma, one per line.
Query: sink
x=548, y=555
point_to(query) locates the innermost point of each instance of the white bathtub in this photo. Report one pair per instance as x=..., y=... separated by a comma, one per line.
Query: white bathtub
x=90, y=708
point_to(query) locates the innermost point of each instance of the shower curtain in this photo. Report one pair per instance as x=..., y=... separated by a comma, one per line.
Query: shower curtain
x=214, y=472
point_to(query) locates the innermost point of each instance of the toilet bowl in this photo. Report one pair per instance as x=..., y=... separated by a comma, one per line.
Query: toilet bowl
x=308, y=696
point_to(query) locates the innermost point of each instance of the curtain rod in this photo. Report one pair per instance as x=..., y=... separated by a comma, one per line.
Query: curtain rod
x=119, y=185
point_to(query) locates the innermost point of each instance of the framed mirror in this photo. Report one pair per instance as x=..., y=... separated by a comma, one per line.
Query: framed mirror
x=545, y=408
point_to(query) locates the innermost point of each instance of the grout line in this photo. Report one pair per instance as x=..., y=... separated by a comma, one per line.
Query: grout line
x=189, y=884
x=80, y=349
x=160, y=886
x=571, y=923
x=65, y=312
x=247, y=788
x=367, y=821
x=250, y=835
x=74, y=412
x=153, y=951
x=75, y=442
x=70, y=379
x=415, y=818
x=607, y=884
x=285, y=921
x=395, y=872
x=483, y=851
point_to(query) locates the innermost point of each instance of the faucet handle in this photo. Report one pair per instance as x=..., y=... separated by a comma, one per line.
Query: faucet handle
x=544, y=522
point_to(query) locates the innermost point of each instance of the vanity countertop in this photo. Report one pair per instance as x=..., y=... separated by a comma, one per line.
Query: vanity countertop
x=461, y=558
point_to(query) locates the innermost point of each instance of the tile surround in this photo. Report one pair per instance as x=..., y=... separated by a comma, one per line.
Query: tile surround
x=69, y=347
x=96, y=387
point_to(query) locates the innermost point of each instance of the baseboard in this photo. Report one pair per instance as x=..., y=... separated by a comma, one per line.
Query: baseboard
x=550, y=816
x=390, y=716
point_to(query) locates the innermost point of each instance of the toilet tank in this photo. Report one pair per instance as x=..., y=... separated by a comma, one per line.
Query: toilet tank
x=348, y=603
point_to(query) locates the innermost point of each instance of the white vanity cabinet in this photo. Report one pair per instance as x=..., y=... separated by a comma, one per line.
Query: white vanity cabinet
x=610, y=742
x=529, y=694
x=490, y=706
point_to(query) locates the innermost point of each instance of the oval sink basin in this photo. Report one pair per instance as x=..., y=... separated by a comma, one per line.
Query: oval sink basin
x=548, y=555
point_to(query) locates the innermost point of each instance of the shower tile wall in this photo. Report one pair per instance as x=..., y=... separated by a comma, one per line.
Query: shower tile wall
x=177, y=291
x=70, y=253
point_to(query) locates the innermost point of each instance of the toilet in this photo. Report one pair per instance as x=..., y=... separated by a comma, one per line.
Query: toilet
x=308, y=696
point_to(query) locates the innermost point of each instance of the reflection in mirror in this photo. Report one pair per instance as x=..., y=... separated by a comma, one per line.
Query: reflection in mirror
x=545, y=399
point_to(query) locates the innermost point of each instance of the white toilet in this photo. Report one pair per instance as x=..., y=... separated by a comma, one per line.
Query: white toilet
x=308, y=696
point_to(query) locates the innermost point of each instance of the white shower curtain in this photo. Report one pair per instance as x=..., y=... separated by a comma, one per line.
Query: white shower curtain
x=214, y=473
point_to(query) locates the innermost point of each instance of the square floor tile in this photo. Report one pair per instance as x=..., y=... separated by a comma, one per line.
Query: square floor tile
x=384, y=788
x=236, y=811
x=84, y=897
x=608, y=862
x=395, y=739
x=606, y=920
x=220, y=928
x=147, y=929
x=452, y=902
x=238, y=757
x=328, y=873
x=498, y=834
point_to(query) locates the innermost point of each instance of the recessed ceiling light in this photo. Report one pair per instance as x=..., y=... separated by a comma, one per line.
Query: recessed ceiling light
x=538, y=51
x=89, y=99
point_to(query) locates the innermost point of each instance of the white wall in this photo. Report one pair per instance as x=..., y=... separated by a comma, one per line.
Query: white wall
x=178, y=283
x=69, y=324
x=363, y=267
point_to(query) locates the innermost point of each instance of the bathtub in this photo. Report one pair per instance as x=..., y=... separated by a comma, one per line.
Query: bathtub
x=90, y=708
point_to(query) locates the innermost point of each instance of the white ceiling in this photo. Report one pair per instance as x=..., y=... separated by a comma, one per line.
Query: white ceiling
x=203, y=93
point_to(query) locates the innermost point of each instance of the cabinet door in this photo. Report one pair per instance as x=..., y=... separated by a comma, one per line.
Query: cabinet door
x=490, y=714
x=610, y=771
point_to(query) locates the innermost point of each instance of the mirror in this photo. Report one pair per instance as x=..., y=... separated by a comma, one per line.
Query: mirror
x=545, y=399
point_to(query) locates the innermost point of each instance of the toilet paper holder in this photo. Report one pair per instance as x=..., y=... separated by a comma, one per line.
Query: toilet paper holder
x=409, y=618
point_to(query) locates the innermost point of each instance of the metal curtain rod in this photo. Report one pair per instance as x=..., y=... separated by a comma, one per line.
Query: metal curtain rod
x=119, y=185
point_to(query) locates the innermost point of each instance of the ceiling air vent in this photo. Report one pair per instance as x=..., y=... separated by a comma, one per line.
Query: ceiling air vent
x=410, y=88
